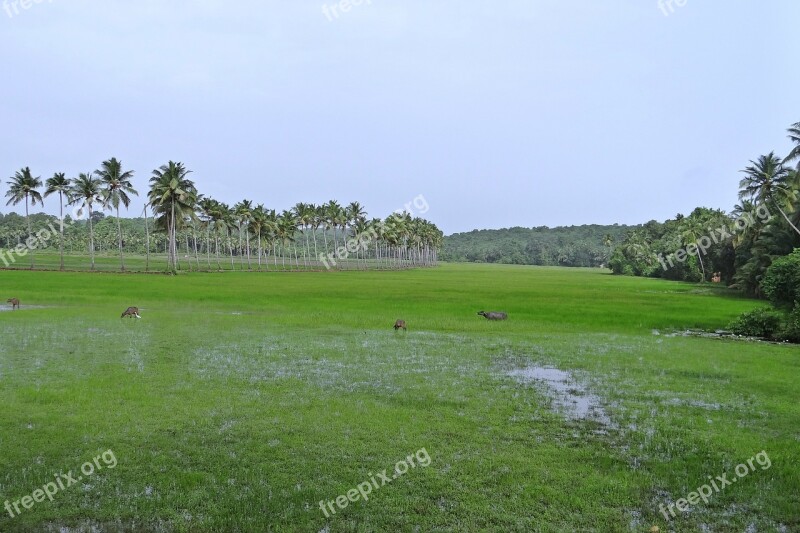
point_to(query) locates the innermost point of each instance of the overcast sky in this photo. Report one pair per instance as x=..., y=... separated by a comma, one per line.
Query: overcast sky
x=501, y=113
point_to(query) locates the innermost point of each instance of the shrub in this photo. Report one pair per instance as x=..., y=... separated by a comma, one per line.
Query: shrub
x=791, y=328
x=760, y=322
x=781, y=283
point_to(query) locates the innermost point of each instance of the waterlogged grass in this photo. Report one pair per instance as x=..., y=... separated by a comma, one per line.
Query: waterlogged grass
x=240, y=400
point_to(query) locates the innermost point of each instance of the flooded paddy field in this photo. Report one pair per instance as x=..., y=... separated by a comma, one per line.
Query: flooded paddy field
x=242, y=402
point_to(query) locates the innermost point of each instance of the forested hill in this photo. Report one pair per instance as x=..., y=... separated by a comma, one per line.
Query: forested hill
x=579, y=246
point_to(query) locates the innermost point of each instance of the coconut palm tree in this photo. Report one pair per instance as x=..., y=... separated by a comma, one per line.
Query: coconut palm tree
x=301, y=216
x=794, y=136
x=353, y=213
x=258, y=220
x=86, y=189
x=172, y=196
x=116, y=189
x=377, y=228
x=287, y=229
x=205, y=206
x=769, y=181
x=360, y=228
x=244, y=214
x=332, y=217
x=23, y=188
x=314, y=223
x=216, y=212
x=693, y=229
x=321, y=221
x=228, y=222
x=62, y=185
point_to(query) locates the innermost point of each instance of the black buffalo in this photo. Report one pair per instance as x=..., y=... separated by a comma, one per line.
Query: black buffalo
x=493, y=315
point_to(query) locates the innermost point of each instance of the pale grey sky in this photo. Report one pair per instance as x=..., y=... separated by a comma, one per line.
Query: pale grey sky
x=503, y=113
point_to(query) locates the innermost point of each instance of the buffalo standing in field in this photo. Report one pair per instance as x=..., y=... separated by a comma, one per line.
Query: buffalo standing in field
x=400, y=324
x=131, y=312
x=14, y=303
x=493, y=315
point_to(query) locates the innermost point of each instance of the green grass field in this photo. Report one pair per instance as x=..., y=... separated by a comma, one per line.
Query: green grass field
x=241, y=400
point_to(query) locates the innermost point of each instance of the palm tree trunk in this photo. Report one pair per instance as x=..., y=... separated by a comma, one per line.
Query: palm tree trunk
x=316, y=256
x=241, y=253
x=119, y=231
x=208, y=245
x=702, y=268
x=787, y=219
x=172, y=240
x=230, y=248
x=307, y=250
x=216, y=244
x=91, y=237
x=61, y=228
x=247, y=241
x=194, y=242
x=147, y=234
x=28, y=218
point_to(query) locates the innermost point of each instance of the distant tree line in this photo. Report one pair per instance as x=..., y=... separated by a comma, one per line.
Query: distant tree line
x=193, y=230
x=573, y=246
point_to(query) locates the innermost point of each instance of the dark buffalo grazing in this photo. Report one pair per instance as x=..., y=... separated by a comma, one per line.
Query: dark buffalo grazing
x=14, y=303
x=493, y=315
x=400, y=324
x=131, y=312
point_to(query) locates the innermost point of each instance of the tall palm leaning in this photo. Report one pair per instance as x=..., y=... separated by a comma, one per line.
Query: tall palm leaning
x=23, y=188
x=60, y=184
x=769, y=181
x=172, y=196
x=693, y=230
x=116, y=188
x=86, y=190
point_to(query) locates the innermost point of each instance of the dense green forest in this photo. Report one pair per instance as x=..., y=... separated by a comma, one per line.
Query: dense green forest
x=739, y=246
x=755, y=248
x=573, y=246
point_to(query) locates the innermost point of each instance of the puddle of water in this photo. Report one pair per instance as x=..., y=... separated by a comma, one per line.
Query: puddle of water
x=570, y=396
x=22, y=308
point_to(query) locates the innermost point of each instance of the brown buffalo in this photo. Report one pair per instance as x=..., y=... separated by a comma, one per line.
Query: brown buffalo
x=400, y=324
x=14, y=303
x=131, y=312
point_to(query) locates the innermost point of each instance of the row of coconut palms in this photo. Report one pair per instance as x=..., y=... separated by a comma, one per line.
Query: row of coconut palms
x=108, y=185
x=309, y=236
